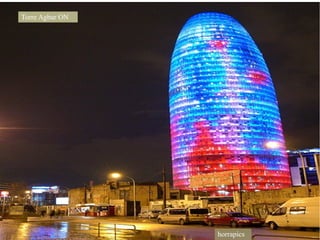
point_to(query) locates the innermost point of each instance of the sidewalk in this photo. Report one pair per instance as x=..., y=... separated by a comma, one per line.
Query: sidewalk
x=48, y=218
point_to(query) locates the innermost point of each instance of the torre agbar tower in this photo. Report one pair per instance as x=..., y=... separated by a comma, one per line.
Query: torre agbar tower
x=226, y=132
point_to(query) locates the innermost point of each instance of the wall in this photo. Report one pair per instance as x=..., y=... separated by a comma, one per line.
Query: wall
x=255, y=203
x=104, y=193
x=263, y=202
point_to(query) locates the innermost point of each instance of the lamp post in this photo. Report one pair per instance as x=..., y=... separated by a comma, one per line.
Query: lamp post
x=304, y=172
x=27, y=198
x=4, y=194
x=316, y=162
x=117, y=176
x=240, y=190
x=276, y=145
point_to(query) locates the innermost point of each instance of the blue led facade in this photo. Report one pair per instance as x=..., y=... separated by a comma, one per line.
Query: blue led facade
x=223, y=108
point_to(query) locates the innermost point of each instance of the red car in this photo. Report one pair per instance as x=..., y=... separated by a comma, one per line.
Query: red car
x=232, y=219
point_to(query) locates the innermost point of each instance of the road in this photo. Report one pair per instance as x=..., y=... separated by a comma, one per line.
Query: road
x=81, y=228
x=203, y=232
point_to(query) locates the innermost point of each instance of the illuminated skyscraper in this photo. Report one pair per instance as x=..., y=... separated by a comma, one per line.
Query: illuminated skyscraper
x=223, y=110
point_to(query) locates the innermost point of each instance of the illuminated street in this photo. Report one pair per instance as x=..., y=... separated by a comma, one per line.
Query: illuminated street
x=87, y=228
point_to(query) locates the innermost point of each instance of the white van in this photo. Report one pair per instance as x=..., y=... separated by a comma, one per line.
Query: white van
x=196, y=215
x=296, y=212
x=173, y=215
x=182, y=215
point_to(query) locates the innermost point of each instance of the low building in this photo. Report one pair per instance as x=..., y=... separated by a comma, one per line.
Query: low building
x=47, y=195
x=120, y=194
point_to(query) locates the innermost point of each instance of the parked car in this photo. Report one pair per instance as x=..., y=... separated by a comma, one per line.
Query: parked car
x=232, y=219
x=149, y=214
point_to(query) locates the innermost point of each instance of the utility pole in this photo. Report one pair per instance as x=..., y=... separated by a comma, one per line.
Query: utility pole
x=85, y=193
x=240, y=192
x=316, y=162
x=164, y=188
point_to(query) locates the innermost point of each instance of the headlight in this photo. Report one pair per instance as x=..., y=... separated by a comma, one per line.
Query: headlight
x=243, y=221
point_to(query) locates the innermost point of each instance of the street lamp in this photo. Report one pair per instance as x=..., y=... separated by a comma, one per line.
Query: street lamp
x=27, y=197
x=4, y=194
x=303, y=163
x=276, y=145
x=117, y=176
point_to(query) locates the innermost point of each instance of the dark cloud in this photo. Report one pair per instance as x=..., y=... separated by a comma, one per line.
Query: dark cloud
x=67, y=165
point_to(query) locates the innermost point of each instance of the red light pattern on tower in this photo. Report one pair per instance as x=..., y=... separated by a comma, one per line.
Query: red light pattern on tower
x=218, y=44
x=257, y=77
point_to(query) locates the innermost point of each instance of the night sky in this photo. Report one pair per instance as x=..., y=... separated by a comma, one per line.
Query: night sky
x=79, y=101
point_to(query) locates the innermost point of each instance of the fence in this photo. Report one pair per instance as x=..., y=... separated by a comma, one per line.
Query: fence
x=122, y=231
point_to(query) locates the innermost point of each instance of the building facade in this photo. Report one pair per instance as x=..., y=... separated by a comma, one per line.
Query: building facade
x=304, y=166
x=224, y=113
x=119, y=194
x=48, y=195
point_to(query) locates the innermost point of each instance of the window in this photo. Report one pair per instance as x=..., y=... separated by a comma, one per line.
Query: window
x=199, y=211
x=280, y=211
x=298, y=210
x=177, y=211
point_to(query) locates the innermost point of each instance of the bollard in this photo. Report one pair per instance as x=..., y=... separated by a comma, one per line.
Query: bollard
x=115, y=231
x=98, y=229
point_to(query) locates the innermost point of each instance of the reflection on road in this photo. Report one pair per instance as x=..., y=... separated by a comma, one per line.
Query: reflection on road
x=44, y=231
x=84, y=229
x=12, y=230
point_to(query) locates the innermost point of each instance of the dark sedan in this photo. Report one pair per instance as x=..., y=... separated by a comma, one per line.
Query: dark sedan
x=232, y=219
